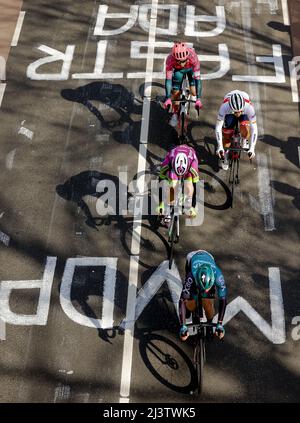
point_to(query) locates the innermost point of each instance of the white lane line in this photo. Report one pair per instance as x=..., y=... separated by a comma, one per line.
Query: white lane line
x=294, y=80
x=10, y=157
x=2, y=91
x=135, y=244
x=62, y=393
x=277, y=308
x=4, y=239
x=2, y=330
x=252, y=87
x=265, y=192
x=285, y=12
x=18, y=29
x=266, y=199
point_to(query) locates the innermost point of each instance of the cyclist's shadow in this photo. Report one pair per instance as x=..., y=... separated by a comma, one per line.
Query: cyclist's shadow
x=156, y=331
x=114, y=96
x=124, y=102
x=166, y=361
x=85, y=184
x=201, y=137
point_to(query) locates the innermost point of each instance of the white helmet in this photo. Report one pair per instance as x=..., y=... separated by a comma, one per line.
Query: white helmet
x=236, y=102
x=180, y=164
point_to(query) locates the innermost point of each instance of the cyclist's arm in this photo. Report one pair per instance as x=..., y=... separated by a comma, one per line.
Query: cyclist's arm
x=194, y=172
x=222, y=294
x=185, y=294
x=198, y=85
x=218, y=131
x=254, y=133
x=169, y=74
x=222, y=308
x=253, y=126
x=196, y=73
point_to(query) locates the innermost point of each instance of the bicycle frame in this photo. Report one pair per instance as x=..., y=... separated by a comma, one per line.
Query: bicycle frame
x=234, y=160
x=183, y=110
x=199, y=330
x=173, y=232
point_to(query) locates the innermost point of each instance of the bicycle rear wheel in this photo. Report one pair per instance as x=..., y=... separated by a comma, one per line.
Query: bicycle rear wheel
x=232, y=166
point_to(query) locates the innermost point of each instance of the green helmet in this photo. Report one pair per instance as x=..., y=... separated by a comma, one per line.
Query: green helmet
x=205, y=277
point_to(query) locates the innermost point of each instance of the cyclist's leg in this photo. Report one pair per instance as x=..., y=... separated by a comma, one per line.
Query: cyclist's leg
x=189, y=194
x=172, y=182
x=208, y=305
x=192, y=85
x=245, y=130
x=176, y=85
x=228, y=130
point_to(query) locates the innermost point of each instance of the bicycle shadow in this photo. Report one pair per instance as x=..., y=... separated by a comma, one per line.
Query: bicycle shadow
x=288, y=190
x=288, y=148
x=165, y=360
x=115, y=96
x=204, y=144
x=85, y=184
x=124, y=102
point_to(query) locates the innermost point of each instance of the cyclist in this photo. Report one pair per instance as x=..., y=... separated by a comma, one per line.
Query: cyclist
x=203, y=278
x=236, y=106
x=182, y=60
x=180, y=162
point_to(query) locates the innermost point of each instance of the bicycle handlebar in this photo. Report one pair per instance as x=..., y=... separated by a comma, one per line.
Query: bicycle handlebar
x=202, y=324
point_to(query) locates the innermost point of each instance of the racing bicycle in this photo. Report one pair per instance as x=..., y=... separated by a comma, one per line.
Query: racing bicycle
x=234, y=155
x=184, y=110
x=173, y=231
x=198, y=329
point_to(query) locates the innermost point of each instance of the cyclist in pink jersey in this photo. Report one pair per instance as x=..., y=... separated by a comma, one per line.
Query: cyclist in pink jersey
x=182, y=60
x=180, y=163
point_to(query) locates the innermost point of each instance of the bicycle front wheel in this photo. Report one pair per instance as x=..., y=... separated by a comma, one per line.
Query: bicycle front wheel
x=199, y=364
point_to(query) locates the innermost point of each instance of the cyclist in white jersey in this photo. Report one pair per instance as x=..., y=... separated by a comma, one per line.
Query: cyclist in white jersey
x=236, y=106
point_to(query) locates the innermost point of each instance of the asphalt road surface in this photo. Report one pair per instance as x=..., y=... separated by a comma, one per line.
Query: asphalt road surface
x=88, y=307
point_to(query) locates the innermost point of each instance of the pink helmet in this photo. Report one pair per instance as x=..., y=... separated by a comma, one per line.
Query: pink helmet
x=180, y=51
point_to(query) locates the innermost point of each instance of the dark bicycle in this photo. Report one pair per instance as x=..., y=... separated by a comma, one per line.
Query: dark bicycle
x=184, y=110
x=198, y=329
x=234, y=155
x=176, y=209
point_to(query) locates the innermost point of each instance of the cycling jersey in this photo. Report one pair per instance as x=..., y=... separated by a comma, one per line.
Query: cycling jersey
x=175, y=72
x=190, y=289
x=167, y=171
x=226, y=110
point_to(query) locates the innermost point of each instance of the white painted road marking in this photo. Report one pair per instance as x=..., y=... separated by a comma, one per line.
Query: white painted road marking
x=9, y=161
x=299, y=154
x=18, y=29
x=4, y=239
x=2, y=91
x=135, y=246
x=161, y=275
x=2, y=330
x=44, y=285
x=110, y=264
x=265, y=192
x=274, y=332
x=285, y=12
x=294, y=68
